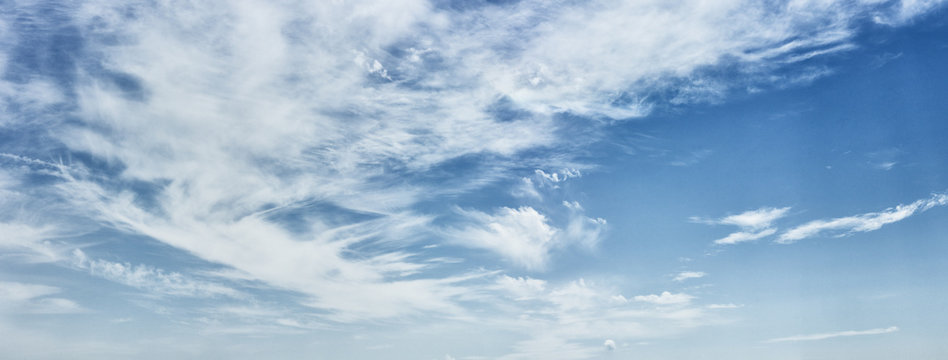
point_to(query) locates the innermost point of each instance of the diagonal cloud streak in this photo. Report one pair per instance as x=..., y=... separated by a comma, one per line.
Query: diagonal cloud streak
x=847, y=225
x=824, y=336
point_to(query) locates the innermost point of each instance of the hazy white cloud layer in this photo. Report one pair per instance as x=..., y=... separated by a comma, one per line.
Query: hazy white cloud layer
x=312, y=149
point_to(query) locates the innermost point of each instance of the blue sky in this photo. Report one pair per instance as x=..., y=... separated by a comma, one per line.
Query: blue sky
x=473, y=180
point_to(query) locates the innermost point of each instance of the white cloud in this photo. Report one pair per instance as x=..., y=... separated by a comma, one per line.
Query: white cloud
x=609, y=344
x=248, y=109
x=31, y=243
x=724, y=306
x=526, y=189
x=522, y=288
x=685, y=275
x=573, y=318
x=754, y=224
x=813, y=337
x=150, y=279
x=755, y=219
x=742, y=236
x=524, y=236
x=558, y=176
x=861, y=223
x=665, y=298
x=34, y=299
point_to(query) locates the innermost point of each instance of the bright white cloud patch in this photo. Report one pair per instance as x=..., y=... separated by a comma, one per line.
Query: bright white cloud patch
x=609, y=344
x=665, y=298
x=824, y=336
x=685, y=275
x=755, y=219
x=754, y=224
x=724, y=306
x=524, y=236
x=860, y=223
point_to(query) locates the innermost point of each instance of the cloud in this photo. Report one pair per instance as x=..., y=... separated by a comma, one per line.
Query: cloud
x=724, y=306
x=31, y=243
x=301, y=144
x=150, y=279
x=609, y=344
x=813, y=337
x=691, y=159
x=524, y=236
x=665, y=298
x=754, y=224
x=570, y=320
x=34, y=299
x=743, y=236
x=755, y=219
x=521, y=288
x=559, y=176
x=844, y=226
x=685, y=275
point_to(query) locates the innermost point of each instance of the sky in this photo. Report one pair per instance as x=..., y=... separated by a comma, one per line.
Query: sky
x=494, y=179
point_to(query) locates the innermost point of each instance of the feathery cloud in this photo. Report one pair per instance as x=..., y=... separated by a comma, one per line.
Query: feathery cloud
x=861, y=223
x=824, y=336
x=34, y=299
x=754, y=224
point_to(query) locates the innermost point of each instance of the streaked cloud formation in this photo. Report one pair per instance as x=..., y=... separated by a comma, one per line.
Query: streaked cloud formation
x=825, y=336
x=18, y=297
x=754, y=224
x=860, y=223
x=358, y=169
x=685, y=275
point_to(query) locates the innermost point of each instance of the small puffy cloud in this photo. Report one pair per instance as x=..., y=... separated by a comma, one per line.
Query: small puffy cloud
x=665, y=298
x=685, y=275
x=609, y=344
x=861, y=223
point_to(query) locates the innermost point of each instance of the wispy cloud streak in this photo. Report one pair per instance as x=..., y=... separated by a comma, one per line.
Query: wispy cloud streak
x=860, y=223
x=824, y=336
